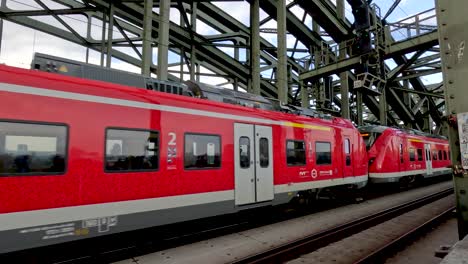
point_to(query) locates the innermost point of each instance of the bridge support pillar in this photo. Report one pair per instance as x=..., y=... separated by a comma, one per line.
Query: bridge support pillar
x=147, y=56
x=344, y=76
x=255, y=45
x=452, y=22
x=163, y=39
x=282, y=71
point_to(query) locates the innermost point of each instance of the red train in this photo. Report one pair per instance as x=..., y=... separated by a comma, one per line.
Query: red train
x=398, y=155
x=81, y=158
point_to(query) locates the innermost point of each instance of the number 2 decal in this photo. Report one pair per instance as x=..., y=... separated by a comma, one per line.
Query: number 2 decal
x=173, y=136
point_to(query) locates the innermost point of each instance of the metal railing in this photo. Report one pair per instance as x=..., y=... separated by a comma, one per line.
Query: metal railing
x=414, y=26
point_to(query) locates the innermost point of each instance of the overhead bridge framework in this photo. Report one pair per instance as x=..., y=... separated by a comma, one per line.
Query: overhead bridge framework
x=321, y=69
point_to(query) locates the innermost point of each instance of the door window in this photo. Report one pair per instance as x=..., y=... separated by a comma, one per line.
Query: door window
x=244, y=150
x=347, y=149
x=264, y=155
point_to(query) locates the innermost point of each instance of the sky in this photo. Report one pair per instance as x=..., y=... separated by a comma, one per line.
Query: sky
x=19, y=43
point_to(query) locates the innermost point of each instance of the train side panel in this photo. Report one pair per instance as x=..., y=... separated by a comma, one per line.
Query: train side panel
x=134, y=158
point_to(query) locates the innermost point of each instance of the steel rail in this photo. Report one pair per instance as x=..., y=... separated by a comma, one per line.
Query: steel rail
x=379, y=255
x=315, y=241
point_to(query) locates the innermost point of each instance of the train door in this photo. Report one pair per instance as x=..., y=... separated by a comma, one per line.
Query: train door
x=427, y=148
x=347, y=157
x=253, y=157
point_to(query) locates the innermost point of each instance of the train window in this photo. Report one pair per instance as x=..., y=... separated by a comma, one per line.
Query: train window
x=445, y=155
x=370, y=138
x=347, y=149
x=411, y=154
x=295, y=152
x=448, y=154
x=347, y=146
x=323, y=153
x=440, y=154
x=202, y=151
x=131, y=150
x=264, y=155
x=244, y=150
x=32, y=149
x=420, y=154
x=434, y=155
x=401, y=154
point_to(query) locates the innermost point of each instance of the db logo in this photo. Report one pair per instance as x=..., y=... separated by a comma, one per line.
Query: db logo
x=314, y=173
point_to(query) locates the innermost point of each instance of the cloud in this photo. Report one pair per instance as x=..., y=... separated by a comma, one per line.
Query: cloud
x=19, y=44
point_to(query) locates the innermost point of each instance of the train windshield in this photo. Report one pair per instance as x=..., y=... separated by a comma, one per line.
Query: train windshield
x=370, y=138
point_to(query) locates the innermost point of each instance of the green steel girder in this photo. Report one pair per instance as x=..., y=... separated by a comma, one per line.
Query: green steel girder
x=324, y=12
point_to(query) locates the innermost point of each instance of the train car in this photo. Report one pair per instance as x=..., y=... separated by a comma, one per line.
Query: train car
x=82, y=158
x=399, y=155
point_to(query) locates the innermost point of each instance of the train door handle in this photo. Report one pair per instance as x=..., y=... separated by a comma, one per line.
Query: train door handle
x=251, y=180
x=251, y=162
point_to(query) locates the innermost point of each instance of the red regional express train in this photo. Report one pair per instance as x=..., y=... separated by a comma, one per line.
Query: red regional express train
x=81, y=158
x=399, y=155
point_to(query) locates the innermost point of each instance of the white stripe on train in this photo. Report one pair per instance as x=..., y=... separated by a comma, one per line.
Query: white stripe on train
x=25, y=219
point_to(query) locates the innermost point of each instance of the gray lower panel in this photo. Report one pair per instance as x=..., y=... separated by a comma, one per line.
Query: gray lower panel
x=31, y=237
x=397, y=179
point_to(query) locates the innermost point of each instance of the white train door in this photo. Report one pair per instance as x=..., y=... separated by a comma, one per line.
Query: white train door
x=427, y=148
x=253, y=168
x=264, y=163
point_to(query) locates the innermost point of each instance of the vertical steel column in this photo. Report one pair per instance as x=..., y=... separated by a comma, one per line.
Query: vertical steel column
x=147, y=56
x=2, y=5
x=110, y=35
x=103, y=40
x=88, y=37
x=163, y=39
x=305, y=101
x=255, y=45
x=383, y=107
x=453, y=36
x=236, y=84
x=359, y=111
x=282, y=71
x=340, y=8
x=181, y=74
x=317, y=88
x=235, y=81
x=427, y=127
x=193, y=52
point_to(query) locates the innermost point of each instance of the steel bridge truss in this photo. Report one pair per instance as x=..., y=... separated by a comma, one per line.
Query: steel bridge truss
x=318, y=70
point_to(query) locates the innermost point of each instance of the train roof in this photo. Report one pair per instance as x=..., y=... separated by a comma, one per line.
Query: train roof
x=48, y=63
x=381, y=129
x=126, y=92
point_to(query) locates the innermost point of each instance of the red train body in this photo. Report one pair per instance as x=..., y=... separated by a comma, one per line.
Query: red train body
x=403, y=155
x=81, y=158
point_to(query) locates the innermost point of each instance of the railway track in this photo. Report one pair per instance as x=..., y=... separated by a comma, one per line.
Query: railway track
x=310, y=243
x=388, y=249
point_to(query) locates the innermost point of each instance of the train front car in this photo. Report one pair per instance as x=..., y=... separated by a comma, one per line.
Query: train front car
x=83, y=158
x=403, y=156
